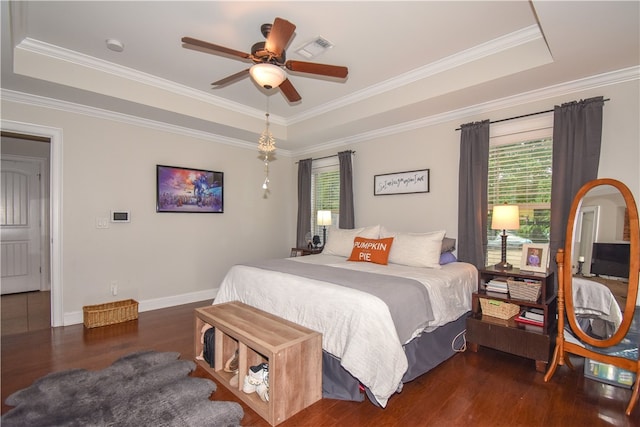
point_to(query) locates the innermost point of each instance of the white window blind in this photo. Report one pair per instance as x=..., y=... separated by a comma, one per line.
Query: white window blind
x=520, y=173
x=325, y=191
x=520, y=170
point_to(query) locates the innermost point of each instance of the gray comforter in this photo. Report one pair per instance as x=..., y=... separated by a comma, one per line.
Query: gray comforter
x=407, y=299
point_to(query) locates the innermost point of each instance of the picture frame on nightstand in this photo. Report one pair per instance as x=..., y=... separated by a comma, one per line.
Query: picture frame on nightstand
x=535, y=257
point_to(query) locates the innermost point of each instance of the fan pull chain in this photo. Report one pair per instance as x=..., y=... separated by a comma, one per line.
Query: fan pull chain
x=265, y=184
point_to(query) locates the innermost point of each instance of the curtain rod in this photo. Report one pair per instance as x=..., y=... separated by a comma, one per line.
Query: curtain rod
x=525, y=115
x=328, y=157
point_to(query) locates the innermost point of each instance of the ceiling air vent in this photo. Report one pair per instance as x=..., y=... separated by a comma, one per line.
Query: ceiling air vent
x=314, y=48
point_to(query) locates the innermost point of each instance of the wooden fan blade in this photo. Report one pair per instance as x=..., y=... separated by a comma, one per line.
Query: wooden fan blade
x=232, y=78
x=315, y=68
x=279, y=37
x=289, y=91
x=196, y=44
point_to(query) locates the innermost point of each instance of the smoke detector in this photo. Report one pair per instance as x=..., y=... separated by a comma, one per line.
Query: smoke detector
x=115, y=45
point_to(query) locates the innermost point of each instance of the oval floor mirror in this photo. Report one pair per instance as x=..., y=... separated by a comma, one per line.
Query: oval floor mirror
x=598, y=270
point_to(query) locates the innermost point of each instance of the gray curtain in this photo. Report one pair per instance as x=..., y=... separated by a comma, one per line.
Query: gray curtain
x=304, y=202
x=472, y=192
x=347, y=214
x=577, y=134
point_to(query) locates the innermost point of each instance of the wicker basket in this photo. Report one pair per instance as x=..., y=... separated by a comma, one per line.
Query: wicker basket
x=499, y=309
x=524, y=290
x=110, y=313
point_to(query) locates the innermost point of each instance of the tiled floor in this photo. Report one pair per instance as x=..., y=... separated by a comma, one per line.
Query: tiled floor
x=24, y=312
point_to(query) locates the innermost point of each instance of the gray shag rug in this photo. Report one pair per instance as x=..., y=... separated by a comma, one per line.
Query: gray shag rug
x=141, y=389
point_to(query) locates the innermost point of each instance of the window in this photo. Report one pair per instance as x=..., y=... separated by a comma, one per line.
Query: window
x=325, y=191
x=520, y=173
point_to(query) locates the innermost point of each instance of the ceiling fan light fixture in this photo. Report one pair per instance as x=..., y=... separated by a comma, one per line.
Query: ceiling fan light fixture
x=268, y=76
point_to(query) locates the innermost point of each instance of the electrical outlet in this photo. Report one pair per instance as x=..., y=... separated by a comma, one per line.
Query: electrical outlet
x=102, y=222
x=114, y=287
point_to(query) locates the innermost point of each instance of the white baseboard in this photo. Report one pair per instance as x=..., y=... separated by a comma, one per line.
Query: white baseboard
x=75, y=317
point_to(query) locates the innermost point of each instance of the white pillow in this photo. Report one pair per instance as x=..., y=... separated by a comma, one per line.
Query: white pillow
x=340, y=241
x=371, y=232
x=415, y=249
x=384, y=233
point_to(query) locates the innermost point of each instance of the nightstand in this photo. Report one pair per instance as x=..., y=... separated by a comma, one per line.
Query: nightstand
x=305, y=251
x=532, y=342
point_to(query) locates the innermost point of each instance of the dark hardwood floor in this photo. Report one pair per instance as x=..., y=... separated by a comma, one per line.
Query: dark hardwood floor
x=488, y=388
x=26, y=311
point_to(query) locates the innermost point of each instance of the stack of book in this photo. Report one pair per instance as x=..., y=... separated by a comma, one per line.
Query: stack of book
x=497, y=286
x=531, y=316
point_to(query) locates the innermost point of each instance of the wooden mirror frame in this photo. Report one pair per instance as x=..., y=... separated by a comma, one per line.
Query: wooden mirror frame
x=632, y=288
x=565, y=304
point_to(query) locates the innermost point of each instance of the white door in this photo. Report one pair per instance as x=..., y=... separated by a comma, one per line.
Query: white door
x=587, y=231
x=20, y=226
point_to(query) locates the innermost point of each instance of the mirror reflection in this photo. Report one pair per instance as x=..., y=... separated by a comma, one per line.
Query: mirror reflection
x=598, y=272
x=600, y=262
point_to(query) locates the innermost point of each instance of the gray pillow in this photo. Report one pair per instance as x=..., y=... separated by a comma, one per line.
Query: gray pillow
x=448, y=245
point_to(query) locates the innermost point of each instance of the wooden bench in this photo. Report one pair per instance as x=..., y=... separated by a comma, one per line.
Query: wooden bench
x=293, y=352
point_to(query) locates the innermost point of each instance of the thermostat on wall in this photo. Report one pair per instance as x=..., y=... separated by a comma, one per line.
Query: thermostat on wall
x=120, y=216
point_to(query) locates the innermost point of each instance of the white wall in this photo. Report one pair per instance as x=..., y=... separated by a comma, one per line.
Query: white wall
x=437, y=148
x=611, y=215
x=158, y=258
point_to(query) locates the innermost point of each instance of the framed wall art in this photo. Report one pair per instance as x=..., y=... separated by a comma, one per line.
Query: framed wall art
x=535, y=257
x=188, y=190
x=401, y=182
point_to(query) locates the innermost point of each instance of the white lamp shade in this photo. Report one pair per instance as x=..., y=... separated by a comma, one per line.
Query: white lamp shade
x=505, y=217
x=324, y=217
x=268, y=76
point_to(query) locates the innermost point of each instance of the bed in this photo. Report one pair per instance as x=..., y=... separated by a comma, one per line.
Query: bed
x=596, y=308
x=382, y=324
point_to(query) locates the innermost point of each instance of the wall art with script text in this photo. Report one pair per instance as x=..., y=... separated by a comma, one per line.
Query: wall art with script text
x=401, y=182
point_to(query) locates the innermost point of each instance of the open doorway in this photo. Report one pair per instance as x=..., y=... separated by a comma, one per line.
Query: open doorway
x=24, y=224
x=587, y=231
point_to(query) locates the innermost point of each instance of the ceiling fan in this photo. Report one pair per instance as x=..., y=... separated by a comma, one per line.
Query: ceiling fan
x=269, y=58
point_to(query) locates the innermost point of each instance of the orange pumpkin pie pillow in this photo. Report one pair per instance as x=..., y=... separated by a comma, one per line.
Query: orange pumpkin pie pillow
x=371, y=250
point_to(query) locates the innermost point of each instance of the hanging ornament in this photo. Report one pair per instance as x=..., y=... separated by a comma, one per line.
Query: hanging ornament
x=266, y=146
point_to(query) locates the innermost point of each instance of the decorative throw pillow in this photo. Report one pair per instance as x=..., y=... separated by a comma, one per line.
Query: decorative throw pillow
x=371, y=250
x=340, y=241
x=448, y=245
x=447, y=257
x=417, y=249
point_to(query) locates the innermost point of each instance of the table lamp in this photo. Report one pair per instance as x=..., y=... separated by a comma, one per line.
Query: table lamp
x=580, y=262
x=505, y=217
x=324, y=219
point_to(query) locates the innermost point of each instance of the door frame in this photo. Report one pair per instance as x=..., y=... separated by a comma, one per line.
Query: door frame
x=43, y=286
x=585, y=248
x=55, y=208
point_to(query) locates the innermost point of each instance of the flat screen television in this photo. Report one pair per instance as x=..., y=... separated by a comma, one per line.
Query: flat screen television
x=610, y=259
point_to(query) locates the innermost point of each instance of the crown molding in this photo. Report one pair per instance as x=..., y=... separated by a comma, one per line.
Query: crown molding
x=601, y=80
x=475, y=53
x=593, y=82
x=60, y=53
x=70, y=107
x=480, y=51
